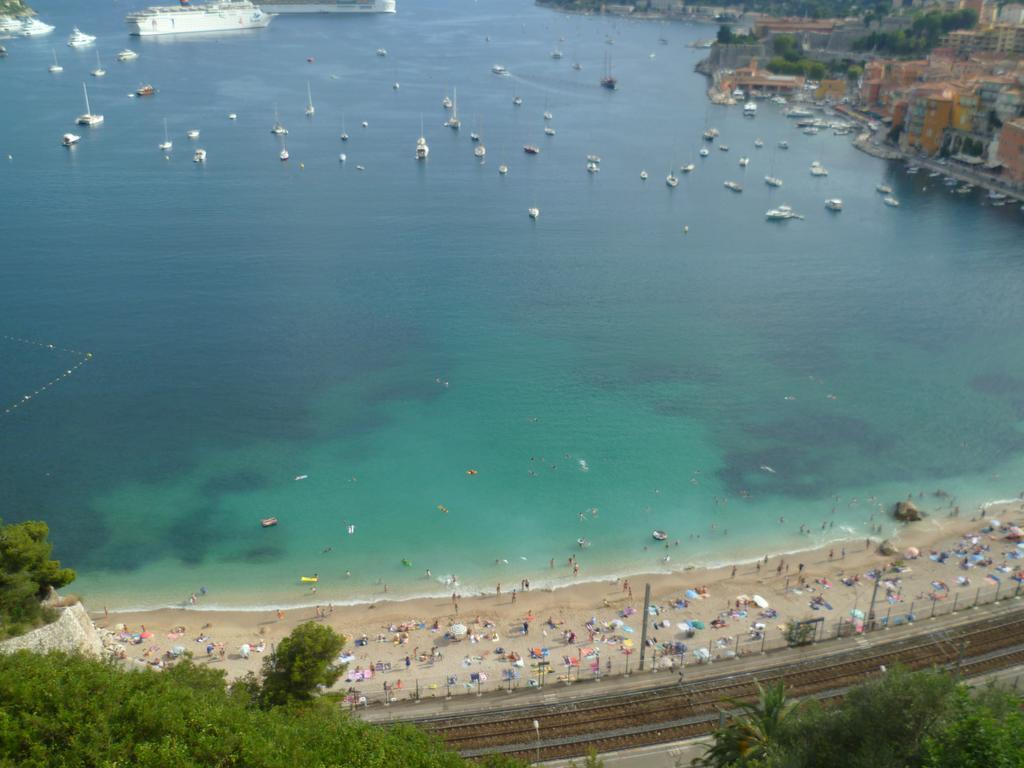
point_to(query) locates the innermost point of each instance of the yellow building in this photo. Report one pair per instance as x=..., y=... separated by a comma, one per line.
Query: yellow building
x=965, y=107
x=831, y=89
x=929, y=114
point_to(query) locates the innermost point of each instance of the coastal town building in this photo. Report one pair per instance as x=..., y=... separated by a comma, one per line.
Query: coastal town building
x=1011, y=150
x=998, y=38
x=754, y=79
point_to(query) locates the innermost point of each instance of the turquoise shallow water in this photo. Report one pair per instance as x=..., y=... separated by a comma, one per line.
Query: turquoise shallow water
x=252, y=321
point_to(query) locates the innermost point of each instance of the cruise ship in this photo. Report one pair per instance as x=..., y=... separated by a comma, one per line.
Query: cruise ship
x=329, y=6
x=219, y=16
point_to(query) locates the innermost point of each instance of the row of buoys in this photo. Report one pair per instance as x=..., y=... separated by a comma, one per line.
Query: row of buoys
x=86, y=357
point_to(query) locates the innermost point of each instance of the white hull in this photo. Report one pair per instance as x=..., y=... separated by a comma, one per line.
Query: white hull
x=330, y=6
x=194, y=20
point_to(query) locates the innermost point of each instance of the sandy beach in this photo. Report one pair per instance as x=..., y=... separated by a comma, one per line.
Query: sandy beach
x=406, y=641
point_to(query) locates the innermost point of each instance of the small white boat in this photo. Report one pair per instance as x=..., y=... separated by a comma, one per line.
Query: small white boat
x=79, y=39
x=758, y=143
x=395, y=85
x=192, y=133
x=834, y=204
x=284, y=154
x=643, y=175
x=232, y=116
x=884, y=189
x=723, y=147
x=360, y=167
x=343, y=136
x=127, y=55
x=817, y=169
x=549, y=131
x=750, y=109
x=199, y=156
x=671, y=180
x=446, y=102
x=342, y=157
x=166, y=144
x=744, y=162
x=773, y=181
x=479, y=150
x=310, y=109
x=735, y=186
x=548, y=116
x=783, y=144
x=99, y=71
x=517, y=101
x=55, y=67
x=278, y=129
x=422, y=150
x=474, y=136
x=533, y=212
x=659, y=535
x=88, y=118
x=688, y=168
x=502, y=169
x=69, y=139
x=556, y=54
x=594, y=159
x=704, y=152
x=365, y=124
x=891, y=202
x=453, y=121
x=782, y=213
x=382, y=52
x=499, y=70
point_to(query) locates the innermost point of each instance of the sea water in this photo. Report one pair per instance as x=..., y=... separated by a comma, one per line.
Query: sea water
x=383, y=332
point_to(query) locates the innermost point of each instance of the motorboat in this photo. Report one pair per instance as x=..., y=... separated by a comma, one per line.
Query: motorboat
x=750, y=109
x=735, y=186
x=284, y=154
x=758, y=143
x=744, y=162
x=199, y=156
x=593, y=168
x=232, y=116
x=810, y=131
x=342, y=157
x=892, y=202
x=382, y=52
x=500, y=70
x=738, y=93
x=530, y=149
x=395, y=85
x=422, y=150
x=446, y=102
x=594, y=159
x=688, y=168
x=502, y=169
x=659, y=535
x=79, y=39
x=773, y=181
x=127, y=55
x=479, y=151
x=69, y=139
x=474, y=136
x=834, y=204
x=782, y=213
x=88, y=118
x=796, y=112
x=643, y=175
x=723, y=147
x=533, y=212
x=549, y=131
x=517, y=100
x=548, y=115
x=704, y=152
x=709, y=134
x=817, y=169
x=783, y=144
x=268, y=522
x=192, y=133
x=556, y=54
x=145, y=90
x=884, y=189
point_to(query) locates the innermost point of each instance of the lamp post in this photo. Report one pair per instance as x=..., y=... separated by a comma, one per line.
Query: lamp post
x=536, y=728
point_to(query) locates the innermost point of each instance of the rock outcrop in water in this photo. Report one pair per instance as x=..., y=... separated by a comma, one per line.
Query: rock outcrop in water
x=14, y=8
x=887, y=548
x=907, y=512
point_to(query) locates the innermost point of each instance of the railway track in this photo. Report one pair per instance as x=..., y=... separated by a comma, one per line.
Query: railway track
x=675, y=712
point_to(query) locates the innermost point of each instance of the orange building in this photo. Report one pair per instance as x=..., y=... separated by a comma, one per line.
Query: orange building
x=1011, y=150
x=929, y=114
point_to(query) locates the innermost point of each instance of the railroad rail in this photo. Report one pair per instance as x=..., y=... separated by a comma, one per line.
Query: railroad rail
x=684, y=710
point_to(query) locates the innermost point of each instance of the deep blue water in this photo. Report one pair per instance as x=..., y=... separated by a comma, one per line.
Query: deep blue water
x=251, y=320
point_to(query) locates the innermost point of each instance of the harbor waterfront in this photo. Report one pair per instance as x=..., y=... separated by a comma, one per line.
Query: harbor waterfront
x=410, y=374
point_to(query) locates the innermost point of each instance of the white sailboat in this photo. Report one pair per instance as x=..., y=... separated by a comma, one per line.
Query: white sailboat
x=344, y=135
x=310, y=110
x=422, y=150
x=99, y=71
x=166, y=144
x=88, y=118
x=278, y=129
x=453, y=122
x=55, y=67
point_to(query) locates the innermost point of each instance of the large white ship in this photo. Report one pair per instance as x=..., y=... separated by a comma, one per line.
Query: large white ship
x=329, y=6
x=220, y=16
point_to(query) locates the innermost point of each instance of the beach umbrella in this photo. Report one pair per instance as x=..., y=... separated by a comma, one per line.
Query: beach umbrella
x=912, y=552
x=683, y=626
x=760, y=602
x=459, y=630
x=697, y=624
x=857, y=613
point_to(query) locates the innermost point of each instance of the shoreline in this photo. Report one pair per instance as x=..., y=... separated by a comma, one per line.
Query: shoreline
x=408, y=636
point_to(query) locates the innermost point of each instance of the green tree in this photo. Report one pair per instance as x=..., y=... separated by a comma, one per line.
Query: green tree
x=786, y=47
x=986, y=732
x=26, y=574
x=725, y=34
x=816, y=70
x=751, y=736
x=302, y=661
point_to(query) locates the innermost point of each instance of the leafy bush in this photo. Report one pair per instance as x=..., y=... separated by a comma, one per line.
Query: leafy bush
x=26, y=575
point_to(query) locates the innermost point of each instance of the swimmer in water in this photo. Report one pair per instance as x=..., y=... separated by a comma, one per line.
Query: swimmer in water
x=326, y=550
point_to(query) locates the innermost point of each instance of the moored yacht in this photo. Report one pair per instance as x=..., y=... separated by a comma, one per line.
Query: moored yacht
x=88, y=118
x=834, y=204
x=892, y=202
x=36, y=28
x=99, y=71
x=704, y=152
x=79, y=39
x=671, y=180
x=55, y=67
x=422, y=150
x=884, y=189
x=688, y=168
x=773, y=181
x=127, y=55
x=533, y=212
x=735, y=186
x=750, y=109
x=278, y=129
x=166, y=144
x=199, y=156
x=782, y=213
x=69, y=139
